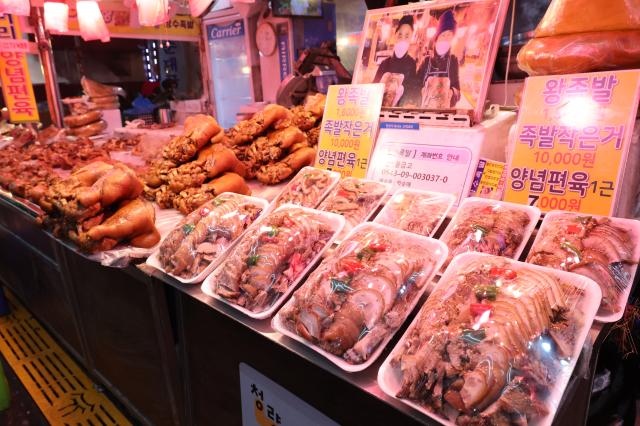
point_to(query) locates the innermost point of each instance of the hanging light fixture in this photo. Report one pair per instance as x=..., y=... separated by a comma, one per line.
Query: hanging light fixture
x=198, y=7
x=152, y=12
x=91, y=22
x=56, y=16
x=15, y=7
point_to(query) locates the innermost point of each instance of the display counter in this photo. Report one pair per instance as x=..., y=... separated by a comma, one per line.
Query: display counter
x=172, y=355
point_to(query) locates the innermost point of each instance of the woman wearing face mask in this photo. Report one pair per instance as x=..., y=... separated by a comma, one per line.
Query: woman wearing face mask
x=438, y=80
x=400, y=68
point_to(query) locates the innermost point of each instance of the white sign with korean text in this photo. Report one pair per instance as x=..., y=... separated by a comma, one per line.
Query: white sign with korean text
x=428, y=158
x=266, y=403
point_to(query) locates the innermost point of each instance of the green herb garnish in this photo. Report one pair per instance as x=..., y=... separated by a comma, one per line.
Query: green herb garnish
x=473, y=336
x=364, y=332
x=573, y=249
x=188, y=228
x=338, y=286
x=365, y=253
x=273, y=232
x=253, y=260
x=487, y=292
x=484, y=231
x=217, y=202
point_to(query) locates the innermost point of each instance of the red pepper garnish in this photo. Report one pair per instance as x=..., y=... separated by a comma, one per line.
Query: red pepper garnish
x=378, y=246
x=487, y=210
x=496, y=272
x=510, y=274
x=287, y=222
x=573, y=229
x=478, y=309
x=343, y=193
x=352, y=266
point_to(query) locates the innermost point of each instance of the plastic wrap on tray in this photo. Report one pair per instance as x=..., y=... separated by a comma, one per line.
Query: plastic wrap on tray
x=601, y=248
x=307, y=188
x=495, y=343
x=355, y=199
x=205, y=234
x=271, y=258
x=490, y=227
x=419, y=212
x=352, y=304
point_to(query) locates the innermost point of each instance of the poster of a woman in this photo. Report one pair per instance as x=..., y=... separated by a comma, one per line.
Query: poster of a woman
x=452, y=69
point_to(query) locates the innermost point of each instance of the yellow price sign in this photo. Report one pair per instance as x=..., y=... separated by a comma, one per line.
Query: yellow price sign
x=572, y=140
x=14, y=74
x=349, y=127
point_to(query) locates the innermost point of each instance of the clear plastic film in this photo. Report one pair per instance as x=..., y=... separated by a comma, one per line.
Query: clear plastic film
x=419, y=212
x=495, y=343
x=353, y=303
x=307, y=188
x=578, y=53
x=490, y=227
x=205, y=234
x=601, y=248
x=271, y=258
x=355, y=199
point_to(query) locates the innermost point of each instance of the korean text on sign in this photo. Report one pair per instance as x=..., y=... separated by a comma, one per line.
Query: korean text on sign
x=349, y=128
x=572, y=140
x=14, y=74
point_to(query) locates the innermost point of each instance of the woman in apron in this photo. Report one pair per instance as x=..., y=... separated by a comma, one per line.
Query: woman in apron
x=438, y=79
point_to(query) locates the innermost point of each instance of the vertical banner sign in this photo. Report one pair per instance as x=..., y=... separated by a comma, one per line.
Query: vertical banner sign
x=349, y=128
x=266, y=403
x=284, y=57
x=14, y=74
x=572, y=140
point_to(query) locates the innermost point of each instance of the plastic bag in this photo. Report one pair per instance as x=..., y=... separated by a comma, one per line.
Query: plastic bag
x=582, y=16
x=205, y=234
x=362, y=293
x=355, y=199
x=152, y=12
x=273, y=255
x=91, y=21
x=307, y=188
x=490, y=227
x=495, y=343
x=576, y=53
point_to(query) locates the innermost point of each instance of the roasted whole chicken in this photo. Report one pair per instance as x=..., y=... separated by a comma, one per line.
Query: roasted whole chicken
x=361, y=293
x=491, y=342
x=270, y=257
x=206, y=233
x=307, y=188
x=594, y=247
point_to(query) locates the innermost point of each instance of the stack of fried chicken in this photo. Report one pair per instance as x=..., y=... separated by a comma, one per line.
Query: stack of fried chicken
x=205, y=161
x=195, y=168
x=277, y=142
x=99, y=206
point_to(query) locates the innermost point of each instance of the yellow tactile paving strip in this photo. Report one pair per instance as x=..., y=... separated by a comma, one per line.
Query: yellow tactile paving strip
x=62, y=391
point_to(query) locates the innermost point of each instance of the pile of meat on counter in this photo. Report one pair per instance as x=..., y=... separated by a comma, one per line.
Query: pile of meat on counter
x=31, y=162
x=206, y=161
x=99, y=206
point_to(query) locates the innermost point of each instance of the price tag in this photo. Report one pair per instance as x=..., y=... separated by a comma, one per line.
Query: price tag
x=489, y=180
x=266, y=403
x=405, y=159
x=349, y=128
x=572, y=141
